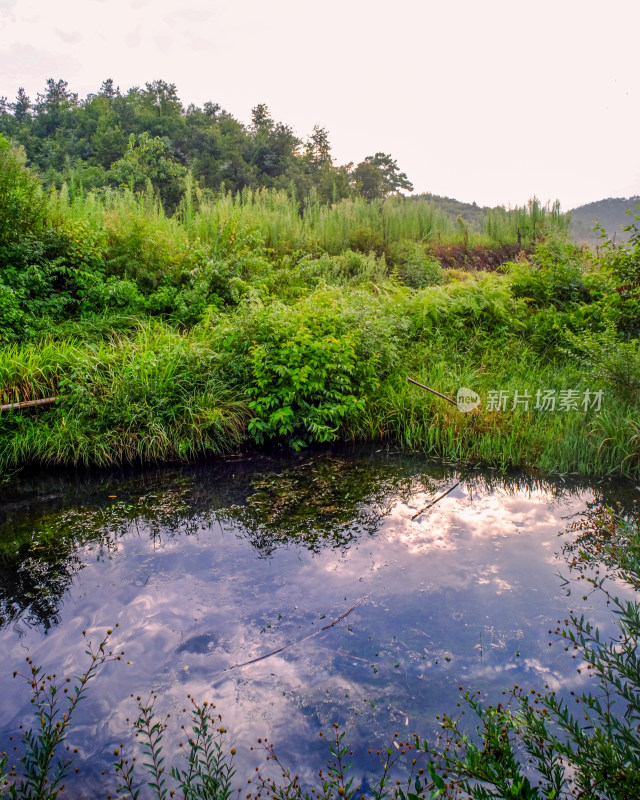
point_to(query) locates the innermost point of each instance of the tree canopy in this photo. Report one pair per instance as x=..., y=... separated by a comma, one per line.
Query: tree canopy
x=114, y=137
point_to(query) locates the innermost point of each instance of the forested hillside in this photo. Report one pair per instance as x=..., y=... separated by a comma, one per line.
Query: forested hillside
x=612, y=214
x=115, y=137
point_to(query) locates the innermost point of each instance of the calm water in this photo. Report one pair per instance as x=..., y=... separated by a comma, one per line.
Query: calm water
x=206, y=568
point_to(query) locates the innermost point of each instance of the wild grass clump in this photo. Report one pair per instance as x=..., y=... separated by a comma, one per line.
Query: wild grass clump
x=148, y=397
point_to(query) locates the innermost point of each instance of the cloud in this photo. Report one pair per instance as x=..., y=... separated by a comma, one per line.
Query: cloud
x=25, y=65
x=187, y=15
x=197, y=42
x=163, y=43
x=68, y=37
x=133, y=38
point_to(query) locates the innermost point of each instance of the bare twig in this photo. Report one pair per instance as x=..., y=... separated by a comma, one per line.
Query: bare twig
x=292, y=644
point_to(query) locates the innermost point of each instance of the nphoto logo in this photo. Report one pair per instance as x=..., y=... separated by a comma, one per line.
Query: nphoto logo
x=467, y=400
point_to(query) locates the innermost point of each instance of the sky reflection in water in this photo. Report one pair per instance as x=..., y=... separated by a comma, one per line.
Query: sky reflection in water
x=209, y=567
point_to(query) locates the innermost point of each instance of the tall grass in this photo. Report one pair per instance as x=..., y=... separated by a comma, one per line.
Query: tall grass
x=152, y=392
x=153, y=395
x=286, y=226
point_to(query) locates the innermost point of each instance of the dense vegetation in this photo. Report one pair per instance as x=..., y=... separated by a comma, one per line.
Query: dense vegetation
x=113, y=138
x=185, y=285
x=172, y=318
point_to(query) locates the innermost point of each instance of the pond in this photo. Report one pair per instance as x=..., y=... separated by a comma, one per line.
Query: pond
x=224, y=579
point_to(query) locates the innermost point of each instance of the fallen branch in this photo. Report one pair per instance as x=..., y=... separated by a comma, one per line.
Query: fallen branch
x=292, y=644
x=45, y=401
x=437, y=500
x=433, y=391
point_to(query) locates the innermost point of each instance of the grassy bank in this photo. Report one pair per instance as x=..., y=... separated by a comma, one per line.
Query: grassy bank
x=329, y=365
x=249, y=321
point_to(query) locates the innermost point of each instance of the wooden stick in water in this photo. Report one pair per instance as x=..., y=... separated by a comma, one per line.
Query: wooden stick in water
x=292, y=644
x=433, y=502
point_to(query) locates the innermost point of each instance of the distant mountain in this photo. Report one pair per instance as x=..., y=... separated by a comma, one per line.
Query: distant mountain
x=610, y=213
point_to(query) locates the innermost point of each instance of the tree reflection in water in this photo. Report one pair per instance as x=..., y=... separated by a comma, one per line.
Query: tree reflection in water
x=53, y=523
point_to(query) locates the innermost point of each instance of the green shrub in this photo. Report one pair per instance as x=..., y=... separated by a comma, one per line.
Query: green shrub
x=610, y=360
x=554, y=276
x=21, y=199
x=483, y=304
x=623, y=263
x=308, y=371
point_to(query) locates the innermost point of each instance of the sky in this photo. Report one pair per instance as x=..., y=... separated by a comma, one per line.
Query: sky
x=491, y=101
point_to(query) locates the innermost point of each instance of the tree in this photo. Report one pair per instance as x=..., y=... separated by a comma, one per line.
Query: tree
x=211, y=109
x=146, y=160
x=156, y=109
x=21, y=200
x=319, y=149
x=21, y=106
x=260, y=119
x=368, y=180
x=53, y=108
x=107, y=90
x=389, y=179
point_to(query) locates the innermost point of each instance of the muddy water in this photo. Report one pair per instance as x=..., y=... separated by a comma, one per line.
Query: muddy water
x=224, y=580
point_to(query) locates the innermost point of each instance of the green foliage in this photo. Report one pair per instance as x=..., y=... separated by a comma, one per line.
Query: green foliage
x=146, y=160
x=312, y=308
x=613, y=362
x=526, y=225
x=208, y=770
x=308, y=371
x=623, y=263
x=415, y=266
x=480, y=305
x=553, y=276
x=379, y=175
x=21, y=200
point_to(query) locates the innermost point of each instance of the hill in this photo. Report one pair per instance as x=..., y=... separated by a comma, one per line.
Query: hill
x=611, y=213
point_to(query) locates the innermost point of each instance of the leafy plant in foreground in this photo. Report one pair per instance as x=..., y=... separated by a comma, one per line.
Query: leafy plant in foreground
x=208, y=772
x=43, y=766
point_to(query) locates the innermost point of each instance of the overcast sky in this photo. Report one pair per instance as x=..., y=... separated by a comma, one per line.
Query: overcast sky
x=485, y=100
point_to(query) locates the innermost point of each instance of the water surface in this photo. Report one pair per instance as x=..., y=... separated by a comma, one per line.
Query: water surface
x=210, y=569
